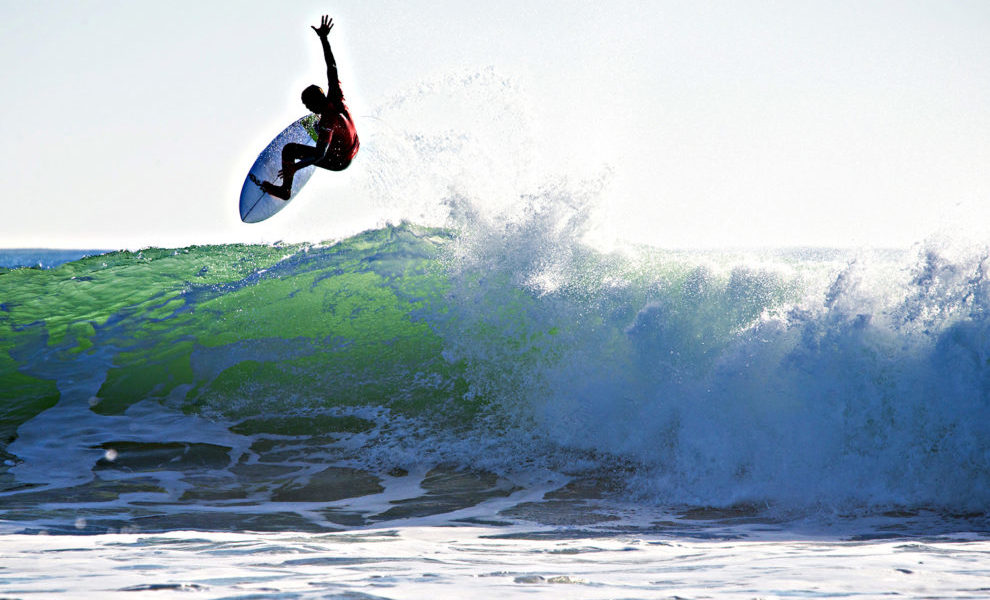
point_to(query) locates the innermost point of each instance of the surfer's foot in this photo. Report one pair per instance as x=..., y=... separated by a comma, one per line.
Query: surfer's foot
x=273, y=190
x=269, y=188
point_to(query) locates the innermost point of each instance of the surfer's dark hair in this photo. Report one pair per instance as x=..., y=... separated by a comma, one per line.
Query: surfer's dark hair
x=313, y=95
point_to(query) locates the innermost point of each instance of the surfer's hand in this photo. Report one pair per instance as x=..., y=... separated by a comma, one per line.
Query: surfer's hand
x=326, y=24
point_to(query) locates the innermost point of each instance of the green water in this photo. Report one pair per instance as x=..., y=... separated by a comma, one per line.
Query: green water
x=235, y=330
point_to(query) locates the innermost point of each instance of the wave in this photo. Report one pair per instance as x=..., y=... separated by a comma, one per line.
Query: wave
x=792, y=378
x=495, y=336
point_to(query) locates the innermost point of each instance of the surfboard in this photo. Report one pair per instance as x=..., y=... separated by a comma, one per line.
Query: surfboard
x=255, y=204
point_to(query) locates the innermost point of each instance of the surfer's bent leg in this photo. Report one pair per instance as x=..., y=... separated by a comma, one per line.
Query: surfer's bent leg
x=333, y=162
x=290, y=154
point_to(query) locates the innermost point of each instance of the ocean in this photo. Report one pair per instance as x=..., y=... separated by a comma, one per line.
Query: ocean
x=499, y=409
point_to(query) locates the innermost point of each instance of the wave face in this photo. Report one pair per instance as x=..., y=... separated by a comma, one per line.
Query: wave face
x=801, y=380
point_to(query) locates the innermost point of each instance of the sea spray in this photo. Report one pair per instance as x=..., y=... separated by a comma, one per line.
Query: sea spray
x=756, y=385
x=806, y=377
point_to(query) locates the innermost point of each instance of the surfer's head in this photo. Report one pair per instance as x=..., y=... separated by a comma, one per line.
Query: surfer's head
x=314, y=99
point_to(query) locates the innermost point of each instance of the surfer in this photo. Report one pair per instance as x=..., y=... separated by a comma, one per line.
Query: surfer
x=337, y=140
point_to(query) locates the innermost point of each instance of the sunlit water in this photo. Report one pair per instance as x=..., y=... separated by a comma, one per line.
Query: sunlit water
x=452, y=562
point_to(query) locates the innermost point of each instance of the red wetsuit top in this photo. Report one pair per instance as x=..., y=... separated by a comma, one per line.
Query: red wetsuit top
x=336, y=124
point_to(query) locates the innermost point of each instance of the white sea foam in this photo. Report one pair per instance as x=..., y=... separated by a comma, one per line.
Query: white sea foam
x=446, y=562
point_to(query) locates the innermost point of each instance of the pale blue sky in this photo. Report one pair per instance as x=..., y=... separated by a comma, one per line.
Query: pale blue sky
x=128, y=124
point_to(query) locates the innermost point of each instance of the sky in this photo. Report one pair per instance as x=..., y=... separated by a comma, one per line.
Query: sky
x=128, y=124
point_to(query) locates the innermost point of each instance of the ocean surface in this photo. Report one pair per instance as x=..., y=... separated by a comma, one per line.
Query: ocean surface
x=41, y=258
x=501, y=409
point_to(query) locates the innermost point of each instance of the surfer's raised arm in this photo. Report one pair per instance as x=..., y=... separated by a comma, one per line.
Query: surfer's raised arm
x=326, y=24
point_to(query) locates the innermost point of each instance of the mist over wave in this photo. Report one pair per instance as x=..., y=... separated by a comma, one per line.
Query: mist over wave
x=718, y=379
x=833, y=378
